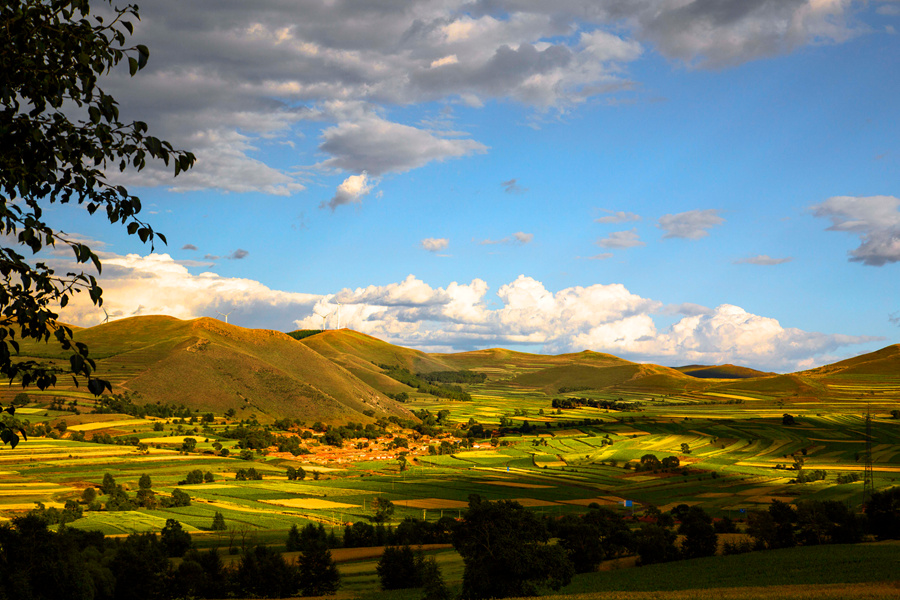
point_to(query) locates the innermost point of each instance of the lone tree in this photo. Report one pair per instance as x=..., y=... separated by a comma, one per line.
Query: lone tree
x=383, y=509
x=218, y=522
x=61, y=141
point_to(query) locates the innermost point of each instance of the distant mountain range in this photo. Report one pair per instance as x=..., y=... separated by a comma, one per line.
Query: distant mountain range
x=337, y=375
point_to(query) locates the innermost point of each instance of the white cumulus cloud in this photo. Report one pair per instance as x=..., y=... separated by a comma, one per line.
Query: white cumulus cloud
x=435, y=244
x=156, y=284
x=459, y=316
x=351, y=190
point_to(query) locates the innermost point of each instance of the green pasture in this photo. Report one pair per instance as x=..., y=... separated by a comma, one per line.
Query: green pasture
x=807, y=565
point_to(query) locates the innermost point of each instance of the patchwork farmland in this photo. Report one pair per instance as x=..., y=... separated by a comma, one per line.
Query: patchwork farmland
x=547, y=432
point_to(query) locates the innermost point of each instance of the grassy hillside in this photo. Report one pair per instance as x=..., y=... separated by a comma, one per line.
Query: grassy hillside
x=577, y=377
x=502, y=359
x=884, y=362
x=356, y=349
x=207, y=364
x=721, y=372
x=334, y=375
x=361, y=354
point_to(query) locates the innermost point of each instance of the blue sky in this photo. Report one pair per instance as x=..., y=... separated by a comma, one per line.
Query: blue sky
x=671, y=181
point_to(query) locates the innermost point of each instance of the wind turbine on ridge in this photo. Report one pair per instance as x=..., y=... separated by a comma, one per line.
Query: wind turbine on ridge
x=221, y=314
x=325, y=316
x=339, y=305
x=106, y=319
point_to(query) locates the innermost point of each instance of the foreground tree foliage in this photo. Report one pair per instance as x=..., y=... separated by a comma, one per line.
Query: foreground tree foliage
x=399, y=568
x=589, y=539
x=38, y=564
x=506, y=552
x=318, y=573
x=700, y=537
x=60, y=137
x=883, y=512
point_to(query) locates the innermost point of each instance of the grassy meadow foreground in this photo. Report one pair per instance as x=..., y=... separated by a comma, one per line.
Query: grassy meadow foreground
x=362, y=422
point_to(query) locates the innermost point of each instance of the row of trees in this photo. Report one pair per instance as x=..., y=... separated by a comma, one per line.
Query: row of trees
x=409, y=532
x=570, y=403
x=39, y=564
x=117, y=497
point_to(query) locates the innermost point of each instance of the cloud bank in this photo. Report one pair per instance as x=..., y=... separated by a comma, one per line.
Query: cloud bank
x=601, y=317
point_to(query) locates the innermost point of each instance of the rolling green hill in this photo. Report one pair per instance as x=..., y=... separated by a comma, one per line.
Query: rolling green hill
x=361, y=354
x=721, y=372
x=884, y=362
x=210, y=365
x=334, y=376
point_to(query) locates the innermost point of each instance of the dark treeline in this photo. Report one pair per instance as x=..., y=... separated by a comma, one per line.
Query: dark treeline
x=361, y=534
x=38, y=564
x=463, y=376
x=403, y=375
x=570, y=403
x=125, y=404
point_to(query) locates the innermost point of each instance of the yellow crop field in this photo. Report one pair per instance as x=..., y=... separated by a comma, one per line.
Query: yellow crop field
x=29, y=505
x=13, y=457
x=534, y=502
x=431, y=503
x=602, y=501
x=34, y=490
x=309, y=503
x=735, y=396
x=837, y=591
